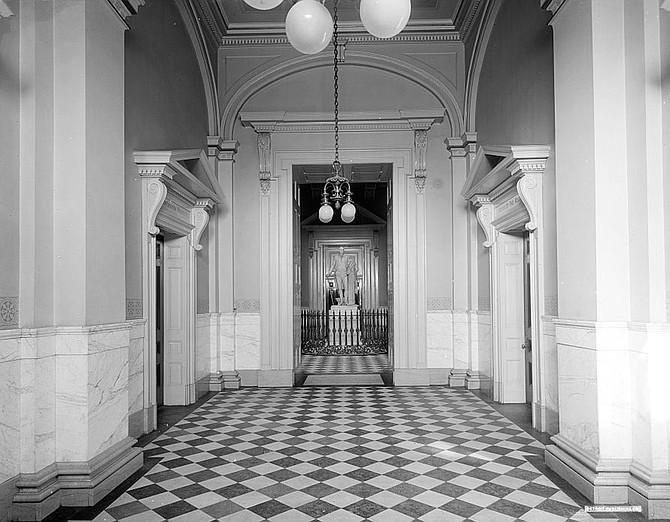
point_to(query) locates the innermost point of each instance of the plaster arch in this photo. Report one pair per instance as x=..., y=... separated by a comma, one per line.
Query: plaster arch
x=233, y=103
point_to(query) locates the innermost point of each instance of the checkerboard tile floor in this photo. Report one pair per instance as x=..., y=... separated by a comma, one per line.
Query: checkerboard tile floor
x=344, y=454
x=349, y=364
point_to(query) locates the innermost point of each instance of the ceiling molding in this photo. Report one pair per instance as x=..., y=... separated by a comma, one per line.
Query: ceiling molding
x=448, y=35
x=293, y=122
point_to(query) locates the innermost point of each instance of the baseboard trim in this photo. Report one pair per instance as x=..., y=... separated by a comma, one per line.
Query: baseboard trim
x=231, y=380
x=602, y=482
x=275, y=378
x=415, y=377
x=457, y=377
x=248, y=378
x=75, y=483
x=439, y=376
x=136, y=424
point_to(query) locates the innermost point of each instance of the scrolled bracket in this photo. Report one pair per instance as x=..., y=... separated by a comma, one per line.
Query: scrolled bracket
x=156, y=194
x=527, y=187
x=485, y=219
x=199, y=219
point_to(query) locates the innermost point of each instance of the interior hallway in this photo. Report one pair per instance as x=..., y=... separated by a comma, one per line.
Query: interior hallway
x=342, y=454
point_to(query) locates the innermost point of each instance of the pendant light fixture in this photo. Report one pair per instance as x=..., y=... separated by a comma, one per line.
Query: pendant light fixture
x=336, y=188
x=309, y=24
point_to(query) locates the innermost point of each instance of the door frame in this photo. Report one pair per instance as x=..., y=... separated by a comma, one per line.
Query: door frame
x=508, y=199
x=182, y=212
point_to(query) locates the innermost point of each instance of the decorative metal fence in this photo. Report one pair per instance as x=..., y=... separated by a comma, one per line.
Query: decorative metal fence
x=350, y=332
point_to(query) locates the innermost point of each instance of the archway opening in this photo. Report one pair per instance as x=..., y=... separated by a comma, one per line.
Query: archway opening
x=343, y=279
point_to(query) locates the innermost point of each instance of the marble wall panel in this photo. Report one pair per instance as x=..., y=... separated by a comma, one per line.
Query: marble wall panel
x=44, y=409
x=484, y=343
x=227, y=342
x=203, y=352
x=136, y=375
x=248, y=341
x=107, y=399
x=578, y=395
x=439, y=339
x=10, y=372
x=549, y=364
x=461, y=347
x=71, y=405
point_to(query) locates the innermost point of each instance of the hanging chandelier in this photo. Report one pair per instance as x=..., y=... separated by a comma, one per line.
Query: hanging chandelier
x=309, y=26
x=336, y=188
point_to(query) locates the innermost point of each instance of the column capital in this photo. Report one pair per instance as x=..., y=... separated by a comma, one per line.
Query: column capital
x=222, y=149
x=461, y=146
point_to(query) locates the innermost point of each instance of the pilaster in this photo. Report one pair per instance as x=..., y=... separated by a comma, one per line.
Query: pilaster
x=222, y=153
x=459, y=149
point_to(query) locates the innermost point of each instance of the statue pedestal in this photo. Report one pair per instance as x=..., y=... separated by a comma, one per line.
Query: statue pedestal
x=344, y=328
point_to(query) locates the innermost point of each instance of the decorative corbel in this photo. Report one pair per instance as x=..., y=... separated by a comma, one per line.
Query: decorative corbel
x=156, y=194
x=528, y=172
x=199, y=219
x=420, y=146
x=485, y=218
x=265, y=158
x=527, y=189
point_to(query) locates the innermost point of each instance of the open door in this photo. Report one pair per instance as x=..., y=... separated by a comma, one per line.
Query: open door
x=527, y=320
x=176, y=323
x=511, y=319
x=159, y=320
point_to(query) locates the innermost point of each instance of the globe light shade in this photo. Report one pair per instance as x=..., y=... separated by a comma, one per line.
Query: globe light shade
x=263, y=5
x=325, y=213
x=385, y=18
x=348, y=212
x=309, y=26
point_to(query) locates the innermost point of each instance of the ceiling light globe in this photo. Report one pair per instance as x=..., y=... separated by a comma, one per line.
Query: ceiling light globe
x=263, y=5
x=348, y=212
x=309, y=26
x=325, y=213
x=385, y=18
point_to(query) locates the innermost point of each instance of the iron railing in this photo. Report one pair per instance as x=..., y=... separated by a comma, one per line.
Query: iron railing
x=344, y=331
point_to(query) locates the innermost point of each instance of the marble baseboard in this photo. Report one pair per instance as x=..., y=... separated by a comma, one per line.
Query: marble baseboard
x=411, y=377
x=275, y=378
x=231, y=380
x=457, y=377
x=75, y=483
x=136, y=424
x=439, y=376
x=651, y=490
x=201, y=387
x=601, y=481
x=547, y=419
x=248, y=378
x=473, y=380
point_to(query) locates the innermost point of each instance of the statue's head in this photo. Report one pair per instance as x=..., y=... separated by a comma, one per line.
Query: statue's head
x=341, y=251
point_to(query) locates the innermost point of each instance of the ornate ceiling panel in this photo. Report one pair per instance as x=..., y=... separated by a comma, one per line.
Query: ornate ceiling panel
x=240, y=19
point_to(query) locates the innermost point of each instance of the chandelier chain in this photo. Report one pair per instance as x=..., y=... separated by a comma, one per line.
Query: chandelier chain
x=335, y=87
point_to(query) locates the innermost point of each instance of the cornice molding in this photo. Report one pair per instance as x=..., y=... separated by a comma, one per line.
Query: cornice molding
x=508, y=162
x=447, y=34
x=297, y=122
x=467, y=12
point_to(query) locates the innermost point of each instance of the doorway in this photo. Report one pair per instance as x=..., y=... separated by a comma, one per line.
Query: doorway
x=159, y=319
x=344, y=327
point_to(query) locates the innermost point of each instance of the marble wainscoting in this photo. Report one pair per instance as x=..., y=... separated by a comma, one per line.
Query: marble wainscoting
x=649, y=481
x=546, y=408
x=136, y=379
x=12, y=388
x=593, y=447
x=205, y=354
x=483, y=351
x=248, y=346
x=440, y=356
x=67, y=401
